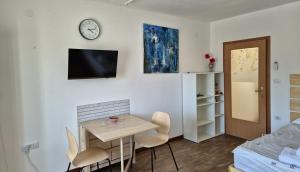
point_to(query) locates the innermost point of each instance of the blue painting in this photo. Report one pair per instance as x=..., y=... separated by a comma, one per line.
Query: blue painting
x=160, y=49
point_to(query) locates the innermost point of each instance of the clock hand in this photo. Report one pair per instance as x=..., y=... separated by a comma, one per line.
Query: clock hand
x=91, y=30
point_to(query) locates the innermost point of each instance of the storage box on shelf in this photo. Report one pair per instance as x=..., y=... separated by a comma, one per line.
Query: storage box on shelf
x=203, y=105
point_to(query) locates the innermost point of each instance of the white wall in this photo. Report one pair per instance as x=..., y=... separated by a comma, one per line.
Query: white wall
x=10, y=119
x=46, y=101
x=3, y=161
x=282, y=24
x=38, y=102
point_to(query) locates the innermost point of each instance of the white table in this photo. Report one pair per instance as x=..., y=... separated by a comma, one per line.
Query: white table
x=127, y=125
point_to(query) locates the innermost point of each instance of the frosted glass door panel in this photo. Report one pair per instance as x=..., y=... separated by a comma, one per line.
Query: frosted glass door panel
x=244, y=84
x=244, y=101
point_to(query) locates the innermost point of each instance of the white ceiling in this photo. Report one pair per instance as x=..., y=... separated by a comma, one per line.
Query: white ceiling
x=205, y=10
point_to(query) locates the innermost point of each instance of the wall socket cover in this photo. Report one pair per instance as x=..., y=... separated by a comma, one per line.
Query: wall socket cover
x=27, y=147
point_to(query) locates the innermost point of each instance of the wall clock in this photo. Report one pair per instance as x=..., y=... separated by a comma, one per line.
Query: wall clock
x=89, y=29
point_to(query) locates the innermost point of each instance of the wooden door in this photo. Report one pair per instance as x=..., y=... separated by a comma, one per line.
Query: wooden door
x=246, y=68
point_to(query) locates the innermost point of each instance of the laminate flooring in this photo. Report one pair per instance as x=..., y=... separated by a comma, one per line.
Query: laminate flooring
x=214, y=155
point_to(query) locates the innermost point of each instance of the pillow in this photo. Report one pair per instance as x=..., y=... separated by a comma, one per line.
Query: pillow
x=297, y=121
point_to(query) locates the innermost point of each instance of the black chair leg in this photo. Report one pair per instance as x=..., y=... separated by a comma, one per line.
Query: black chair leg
x=132, y=153
x=154, y=153
x=69, y=167
x=109, y=163
x=97, y=165
x=151, y=159
x=173, y=157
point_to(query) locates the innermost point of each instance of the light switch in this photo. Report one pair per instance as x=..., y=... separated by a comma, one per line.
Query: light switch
x=275, y=66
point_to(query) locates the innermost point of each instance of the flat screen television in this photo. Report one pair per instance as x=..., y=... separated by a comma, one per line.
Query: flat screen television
x=85, y=64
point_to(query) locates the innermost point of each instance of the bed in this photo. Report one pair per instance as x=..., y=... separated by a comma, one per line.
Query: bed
x=261, y=154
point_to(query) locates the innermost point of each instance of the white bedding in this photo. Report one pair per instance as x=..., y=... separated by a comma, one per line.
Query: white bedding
x=261, y=155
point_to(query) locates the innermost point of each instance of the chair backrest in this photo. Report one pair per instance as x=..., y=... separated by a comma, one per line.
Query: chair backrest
x=162, y=119
x=73, y=147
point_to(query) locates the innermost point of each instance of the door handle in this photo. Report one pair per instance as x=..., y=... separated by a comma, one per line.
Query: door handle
x=260, y=90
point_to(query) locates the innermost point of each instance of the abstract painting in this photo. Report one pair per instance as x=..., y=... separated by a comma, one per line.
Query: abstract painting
x=160, y=49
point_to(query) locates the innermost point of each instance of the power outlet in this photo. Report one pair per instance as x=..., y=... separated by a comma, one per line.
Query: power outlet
x=26, y=148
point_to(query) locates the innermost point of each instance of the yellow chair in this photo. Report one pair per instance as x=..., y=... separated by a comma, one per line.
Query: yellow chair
x=84, y=158
x=161, y=119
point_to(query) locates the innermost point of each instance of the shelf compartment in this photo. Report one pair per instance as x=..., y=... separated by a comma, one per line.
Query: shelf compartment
x=219, y=115
x=219, y=99
x=204, y=97
x=219, y=95
x=219, y=133
x=209, y=96
x=203, y=137
x=219, y=125
x=219, y=108
x=218, y=102
x=204, y=84
x=204, y=122
x=205, y=132
x=205, y=104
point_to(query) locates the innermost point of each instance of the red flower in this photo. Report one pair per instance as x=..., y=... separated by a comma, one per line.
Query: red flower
x=212, y=60
x=207, y=55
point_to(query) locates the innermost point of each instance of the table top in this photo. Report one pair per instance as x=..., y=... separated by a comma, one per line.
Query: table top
x=127, y=125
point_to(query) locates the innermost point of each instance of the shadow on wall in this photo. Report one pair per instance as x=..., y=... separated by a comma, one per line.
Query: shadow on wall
x=21, y=119
x=3, y=161
x=10, y=128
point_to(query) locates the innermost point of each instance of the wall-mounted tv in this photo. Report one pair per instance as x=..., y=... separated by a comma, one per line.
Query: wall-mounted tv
x=85, y=64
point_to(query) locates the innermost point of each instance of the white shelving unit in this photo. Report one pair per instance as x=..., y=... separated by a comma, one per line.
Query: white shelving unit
x=203, y=116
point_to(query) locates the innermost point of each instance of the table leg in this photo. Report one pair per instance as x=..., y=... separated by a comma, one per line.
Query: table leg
x=121, y=154
x=132, y=152
x=84, y=142
x=131, y=146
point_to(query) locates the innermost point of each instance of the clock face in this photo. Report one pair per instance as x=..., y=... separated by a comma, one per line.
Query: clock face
x=89, y=29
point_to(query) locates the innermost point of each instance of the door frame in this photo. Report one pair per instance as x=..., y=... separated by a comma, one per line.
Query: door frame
x=268, y=82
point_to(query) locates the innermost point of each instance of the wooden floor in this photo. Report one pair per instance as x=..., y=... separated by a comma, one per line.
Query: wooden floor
x=213, y=155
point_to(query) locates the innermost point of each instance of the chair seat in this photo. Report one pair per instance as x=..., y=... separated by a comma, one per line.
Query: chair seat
x=90, y=156
x=150, y=141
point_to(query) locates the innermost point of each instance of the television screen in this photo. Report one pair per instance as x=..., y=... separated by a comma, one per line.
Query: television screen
x=85, y=64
